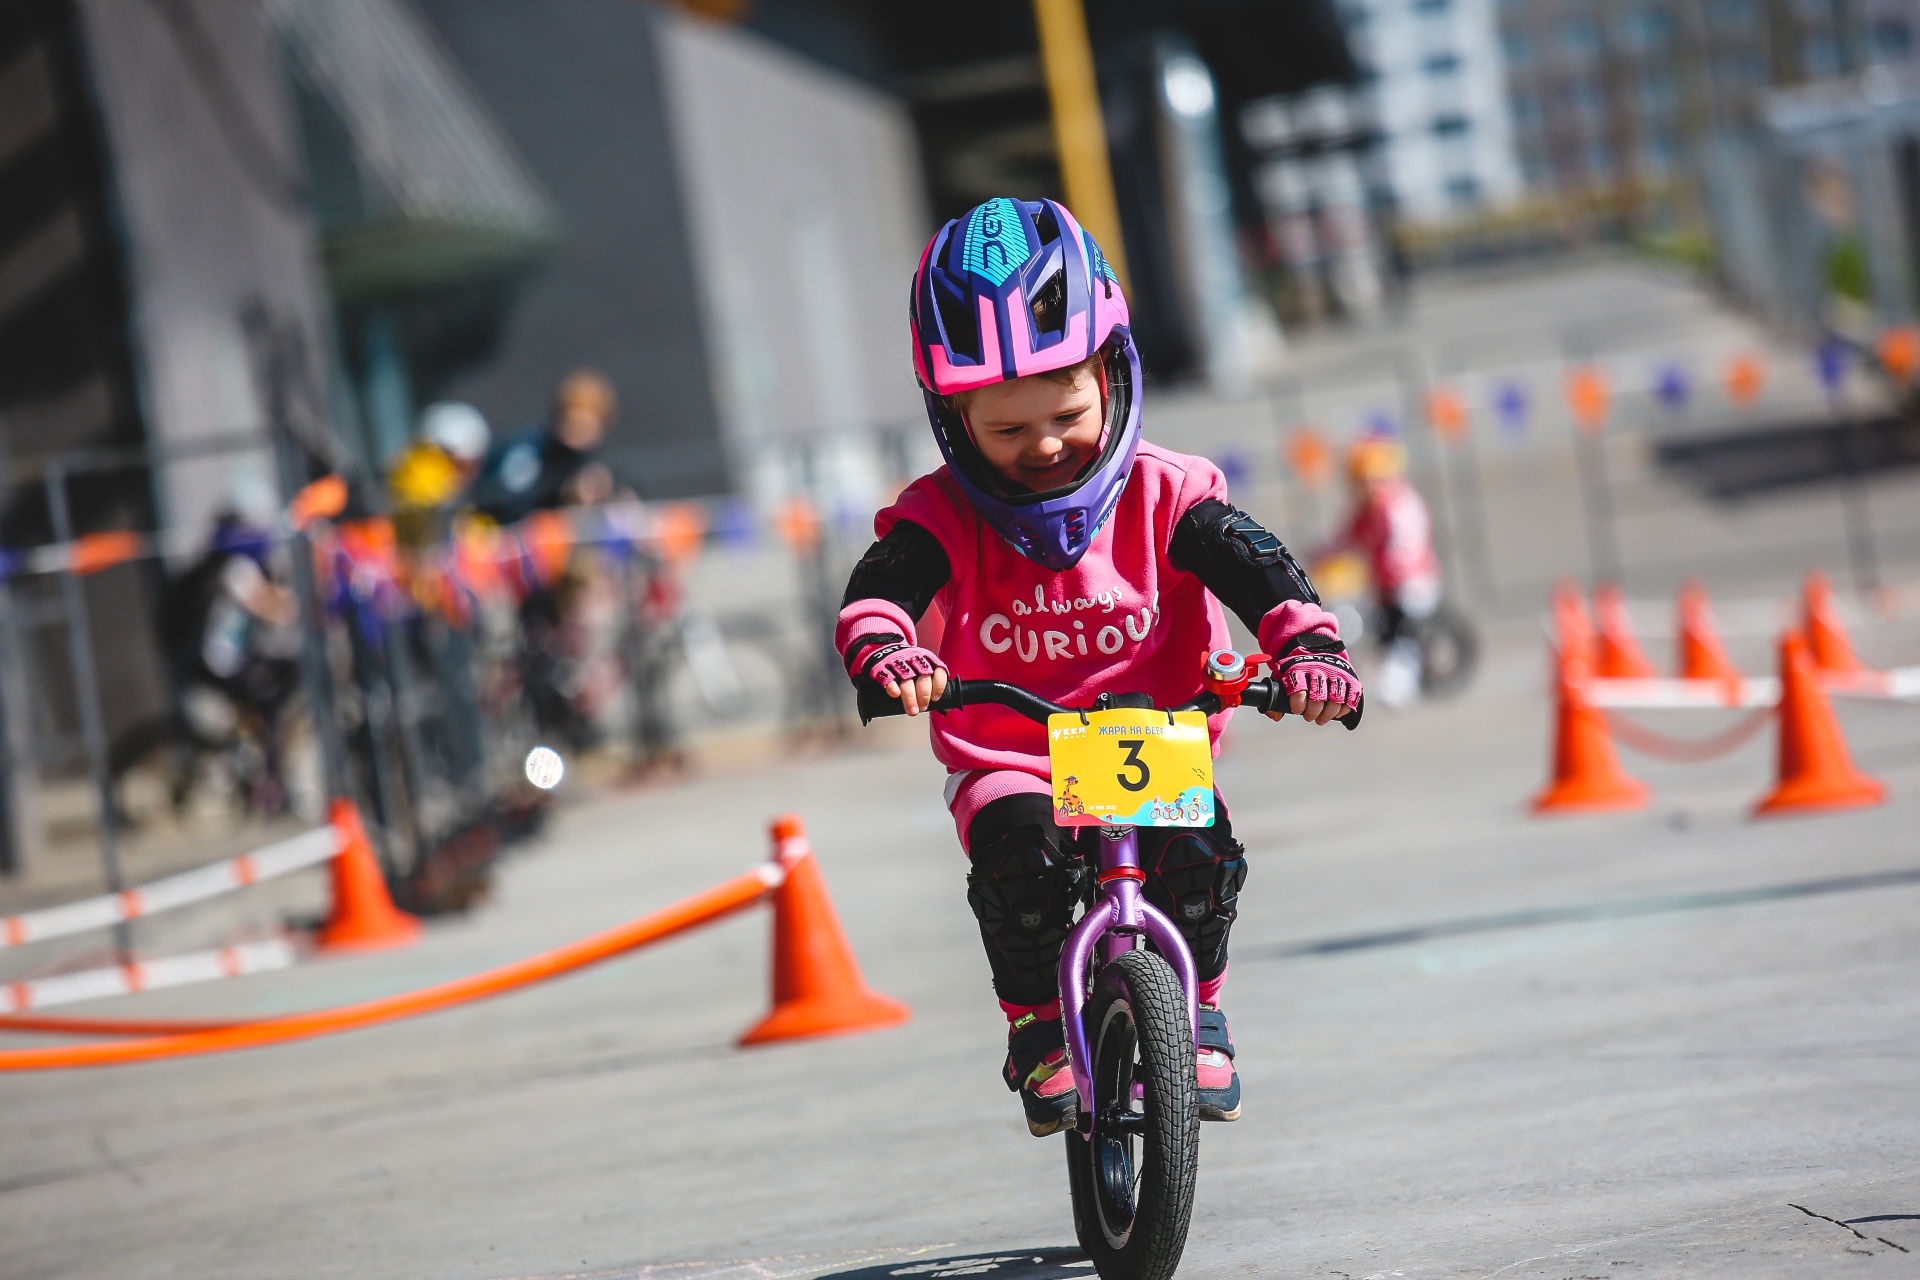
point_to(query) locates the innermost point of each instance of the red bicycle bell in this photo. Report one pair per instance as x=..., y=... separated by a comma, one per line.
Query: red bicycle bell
x=1227, y=674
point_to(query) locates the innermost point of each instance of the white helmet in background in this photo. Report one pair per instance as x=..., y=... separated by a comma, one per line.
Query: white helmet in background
x=458, y=428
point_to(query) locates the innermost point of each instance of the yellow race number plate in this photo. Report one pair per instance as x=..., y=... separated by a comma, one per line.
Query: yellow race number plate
x=1131, y=768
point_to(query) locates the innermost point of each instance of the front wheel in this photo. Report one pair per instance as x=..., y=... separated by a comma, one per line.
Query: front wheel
x=1133, y=1179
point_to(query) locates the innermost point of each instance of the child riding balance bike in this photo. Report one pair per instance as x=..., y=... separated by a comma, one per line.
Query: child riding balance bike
x=1080, y=568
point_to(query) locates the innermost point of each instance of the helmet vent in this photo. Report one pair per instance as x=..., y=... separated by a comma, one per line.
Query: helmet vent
x=1075, y=527
x=960, y=326
x=1049, y=305
x=1046, y=224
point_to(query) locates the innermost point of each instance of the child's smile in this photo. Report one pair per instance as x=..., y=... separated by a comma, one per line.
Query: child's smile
x=1037, y=432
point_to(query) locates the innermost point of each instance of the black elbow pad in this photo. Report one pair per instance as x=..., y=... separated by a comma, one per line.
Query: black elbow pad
x=1239, y=560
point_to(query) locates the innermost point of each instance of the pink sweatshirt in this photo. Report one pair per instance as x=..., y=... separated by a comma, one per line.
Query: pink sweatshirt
x=1124, y=619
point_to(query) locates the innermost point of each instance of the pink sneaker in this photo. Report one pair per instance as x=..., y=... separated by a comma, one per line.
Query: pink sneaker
x=1036, y=1068
x=1219, y=1083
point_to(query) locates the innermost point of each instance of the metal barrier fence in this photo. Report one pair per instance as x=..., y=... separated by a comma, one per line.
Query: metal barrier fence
x=419, y=675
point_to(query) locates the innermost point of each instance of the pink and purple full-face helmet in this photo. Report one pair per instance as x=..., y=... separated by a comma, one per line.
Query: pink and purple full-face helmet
x=1008, y=289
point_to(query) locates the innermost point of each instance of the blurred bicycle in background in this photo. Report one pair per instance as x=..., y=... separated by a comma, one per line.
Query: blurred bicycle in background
x=1431, y=653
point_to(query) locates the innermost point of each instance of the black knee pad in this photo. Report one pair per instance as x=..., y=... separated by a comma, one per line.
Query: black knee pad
x=1194, y=875
x=1026, y=876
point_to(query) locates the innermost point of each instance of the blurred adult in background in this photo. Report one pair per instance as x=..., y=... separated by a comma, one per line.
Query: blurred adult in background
x=434, y=473
x=570, y=626
x=553, y=464
x=1390, y=525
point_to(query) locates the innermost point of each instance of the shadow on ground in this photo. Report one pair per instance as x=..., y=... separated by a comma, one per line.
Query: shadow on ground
x=1008, y=1264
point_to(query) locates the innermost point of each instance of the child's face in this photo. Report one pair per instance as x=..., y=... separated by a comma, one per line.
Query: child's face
x=1035, y=432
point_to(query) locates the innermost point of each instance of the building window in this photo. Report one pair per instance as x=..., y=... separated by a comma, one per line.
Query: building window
x=1432, y=6
x=1732, y=15
x=1648, y=30
x=1451, y=125
x=1892, y=37
x=1656, y=156
x=1442, y=64
x=1580, y=37
x=1599, y=162
x=1463, y=190
x=1585, y=96
x=1658, y=94
x=1822, y=59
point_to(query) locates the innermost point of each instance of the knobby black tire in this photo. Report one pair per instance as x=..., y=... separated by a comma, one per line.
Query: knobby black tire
x=1139, y=991
x=1447, y=630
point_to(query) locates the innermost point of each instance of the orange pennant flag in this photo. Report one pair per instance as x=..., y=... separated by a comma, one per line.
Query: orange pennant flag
x=1587, y=397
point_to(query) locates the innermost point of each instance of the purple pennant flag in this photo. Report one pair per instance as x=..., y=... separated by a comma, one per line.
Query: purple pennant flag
x=1830, y=360
x=1510, y=406
x=733, y=524
x=1233, y=465
x=1382, y=423
x=1671, y=388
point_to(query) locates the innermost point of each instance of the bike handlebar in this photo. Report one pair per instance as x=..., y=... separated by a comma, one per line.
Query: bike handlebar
x=1261, y=695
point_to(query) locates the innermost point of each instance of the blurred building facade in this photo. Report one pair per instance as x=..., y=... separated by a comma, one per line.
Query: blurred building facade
x=1616, y=106
x=156, y=243
x=427, y=221
x=1816, y=211
x=1174, y=81
x=1436, y=87
x=232, y=225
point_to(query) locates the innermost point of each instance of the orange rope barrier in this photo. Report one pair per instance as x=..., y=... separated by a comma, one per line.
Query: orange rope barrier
x=117, y=1026
x=738, y=893
x=1688, y=750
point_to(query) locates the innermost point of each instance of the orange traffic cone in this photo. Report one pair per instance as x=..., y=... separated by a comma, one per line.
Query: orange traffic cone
x=1826, y=633
x=1702, y=656
x=1619, y=653
x=1587, y=776
x=817, y=988
x=364, y=917
x=1572, y=629
x=1816, y=772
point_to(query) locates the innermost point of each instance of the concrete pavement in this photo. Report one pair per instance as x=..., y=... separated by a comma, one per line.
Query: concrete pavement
x=1644, y=1094
x=1473, y=1043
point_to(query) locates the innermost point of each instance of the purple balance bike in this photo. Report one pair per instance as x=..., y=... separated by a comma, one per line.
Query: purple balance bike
x=1129, y=1000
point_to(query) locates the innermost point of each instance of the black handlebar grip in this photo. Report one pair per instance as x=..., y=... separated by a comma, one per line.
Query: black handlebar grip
x=872, y=702
x=1266, y=695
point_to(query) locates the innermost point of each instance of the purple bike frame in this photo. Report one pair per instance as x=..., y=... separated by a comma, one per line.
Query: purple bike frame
x=1119, y=918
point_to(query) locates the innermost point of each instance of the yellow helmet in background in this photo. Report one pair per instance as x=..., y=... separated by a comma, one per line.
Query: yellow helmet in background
x=1375, y=458
x=424, y=476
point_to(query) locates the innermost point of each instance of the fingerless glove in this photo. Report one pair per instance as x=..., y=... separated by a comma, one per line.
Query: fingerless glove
x=897, y=661
x=1318, y=667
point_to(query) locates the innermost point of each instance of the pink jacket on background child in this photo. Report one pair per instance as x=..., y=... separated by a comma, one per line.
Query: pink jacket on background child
x=1396, y=533
x=1124, y=619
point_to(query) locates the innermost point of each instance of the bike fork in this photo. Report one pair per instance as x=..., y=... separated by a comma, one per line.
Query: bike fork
x=1119, y=918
